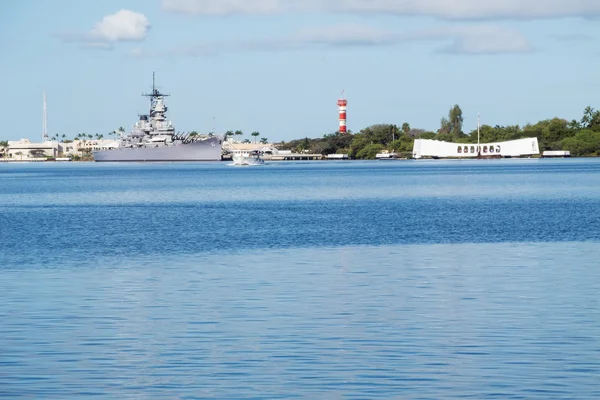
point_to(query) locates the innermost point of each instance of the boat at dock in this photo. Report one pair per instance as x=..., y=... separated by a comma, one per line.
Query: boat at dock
x=386, y=155
x=248, y=158
x=153, y=138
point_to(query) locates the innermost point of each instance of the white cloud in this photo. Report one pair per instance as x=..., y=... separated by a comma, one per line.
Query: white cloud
x=475, y=9
x=346, y=35
x=472, y=39
x=224, y=7
x=445, y=9
x=478, y=39
x=124, y=25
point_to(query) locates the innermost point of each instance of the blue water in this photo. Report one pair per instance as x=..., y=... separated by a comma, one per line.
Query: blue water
x=354, y=280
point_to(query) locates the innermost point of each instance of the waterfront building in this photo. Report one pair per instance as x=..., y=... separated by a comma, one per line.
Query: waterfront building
x=438, y=149
x=24, y=149
x=88, y=146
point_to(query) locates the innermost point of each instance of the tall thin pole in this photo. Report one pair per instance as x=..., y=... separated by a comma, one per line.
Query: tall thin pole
x=478, y=125
x=478, y=129
x=45, y=120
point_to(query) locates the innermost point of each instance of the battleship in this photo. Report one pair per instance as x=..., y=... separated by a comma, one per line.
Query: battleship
x=153, y=138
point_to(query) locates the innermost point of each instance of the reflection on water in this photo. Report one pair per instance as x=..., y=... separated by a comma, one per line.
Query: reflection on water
x=424, y=321
x=110, y=288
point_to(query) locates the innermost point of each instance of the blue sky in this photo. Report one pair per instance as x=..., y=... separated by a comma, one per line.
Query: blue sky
x=279, y=66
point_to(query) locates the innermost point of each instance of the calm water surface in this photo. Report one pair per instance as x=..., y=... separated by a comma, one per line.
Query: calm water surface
x=353, y=280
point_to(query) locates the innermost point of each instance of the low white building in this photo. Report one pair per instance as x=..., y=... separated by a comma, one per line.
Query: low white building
x=24, y=149
x=438, y=149
x=88, y=146
x=337, y=157
x=556, y=153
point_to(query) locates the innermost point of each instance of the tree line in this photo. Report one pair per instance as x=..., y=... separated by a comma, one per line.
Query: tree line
x=254, y=134
x=580, y=137
x=117, y=133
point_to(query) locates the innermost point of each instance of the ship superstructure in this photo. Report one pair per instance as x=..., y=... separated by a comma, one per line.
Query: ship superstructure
x=153, y=138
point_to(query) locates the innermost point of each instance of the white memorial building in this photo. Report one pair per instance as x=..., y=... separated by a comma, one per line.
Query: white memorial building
x=438, y=149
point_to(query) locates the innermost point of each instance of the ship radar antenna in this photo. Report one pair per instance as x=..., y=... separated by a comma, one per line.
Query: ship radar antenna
x=155, y=92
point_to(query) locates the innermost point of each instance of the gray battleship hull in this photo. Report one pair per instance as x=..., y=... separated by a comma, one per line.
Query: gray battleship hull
x=205, y=150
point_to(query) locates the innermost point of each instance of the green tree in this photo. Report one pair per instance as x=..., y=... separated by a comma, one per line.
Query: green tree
x=590, y=119
x=264, y=140
x=403, y=145
x=574, y=125
x=369, y=152
x=3, y=147
x=588, y=115
x=238, y=133
x=444, y=126
x=426, y=135
x=455, y=119
x=584, y=143
x=304, y=145
x=256, y=135
x=406, y=127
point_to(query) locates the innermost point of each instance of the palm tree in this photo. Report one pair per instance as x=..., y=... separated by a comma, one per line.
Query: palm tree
x=238, y=133
x=246, y=141
x=3, y=147
x=255, y=134
x=20, y=154
x=264, y=140
x=588, y=115
x=574, y=125
x=406, y=127
x=228, y=134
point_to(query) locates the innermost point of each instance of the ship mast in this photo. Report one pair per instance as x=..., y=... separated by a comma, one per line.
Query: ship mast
x=44, y=119
x=155, y=93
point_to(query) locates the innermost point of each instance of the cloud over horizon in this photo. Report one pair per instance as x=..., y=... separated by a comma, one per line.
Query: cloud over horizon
x=443, y=9
x=124, y=25
x=466, y=40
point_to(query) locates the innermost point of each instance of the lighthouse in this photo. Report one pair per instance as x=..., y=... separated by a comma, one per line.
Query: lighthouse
x=342, y=104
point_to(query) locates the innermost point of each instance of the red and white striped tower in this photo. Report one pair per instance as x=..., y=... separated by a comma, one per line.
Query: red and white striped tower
x=342, y=103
